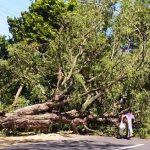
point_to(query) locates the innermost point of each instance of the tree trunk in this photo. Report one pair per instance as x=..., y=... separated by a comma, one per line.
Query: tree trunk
x=39, y=108
x=13, y=121
x=17, y=95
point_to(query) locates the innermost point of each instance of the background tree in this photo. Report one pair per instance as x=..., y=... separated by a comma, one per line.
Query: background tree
x=40, y=23
x=3, y=47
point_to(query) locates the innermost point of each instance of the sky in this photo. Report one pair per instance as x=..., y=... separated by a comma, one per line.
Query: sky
x=11, y=8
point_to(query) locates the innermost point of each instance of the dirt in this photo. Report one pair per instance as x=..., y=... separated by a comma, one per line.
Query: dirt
x=22, y=140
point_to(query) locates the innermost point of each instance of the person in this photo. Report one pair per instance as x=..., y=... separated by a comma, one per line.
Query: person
x=122, y=125
x=130, y=118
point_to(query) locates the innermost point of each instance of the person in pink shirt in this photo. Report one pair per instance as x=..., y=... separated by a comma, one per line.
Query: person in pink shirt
x=130, y=118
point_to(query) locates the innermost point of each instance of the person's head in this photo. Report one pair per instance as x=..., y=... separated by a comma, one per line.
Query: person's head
x=124, y=119
x=129, y=110
x=124, y=112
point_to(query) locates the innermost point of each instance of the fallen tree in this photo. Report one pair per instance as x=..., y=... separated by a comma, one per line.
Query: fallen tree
x=41, y=122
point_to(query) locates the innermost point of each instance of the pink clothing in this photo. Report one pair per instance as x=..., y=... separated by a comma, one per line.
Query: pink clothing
x=130, y=117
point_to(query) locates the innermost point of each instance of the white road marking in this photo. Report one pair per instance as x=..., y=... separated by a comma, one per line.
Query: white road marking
x=127, y=147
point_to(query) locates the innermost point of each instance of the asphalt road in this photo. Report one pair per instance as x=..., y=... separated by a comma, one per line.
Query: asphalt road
x=87, y=143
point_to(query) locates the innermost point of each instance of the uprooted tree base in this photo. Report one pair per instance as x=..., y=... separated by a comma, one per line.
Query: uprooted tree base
x=39, y=117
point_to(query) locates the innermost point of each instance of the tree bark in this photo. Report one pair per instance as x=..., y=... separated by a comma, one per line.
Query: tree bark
x=13, y=121
x=39, y=108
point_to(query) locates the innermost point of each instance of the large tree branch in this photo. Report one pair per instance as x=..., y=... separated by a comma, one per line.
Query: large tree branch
x=39, y=108
x=72, y=68
x=89, y=101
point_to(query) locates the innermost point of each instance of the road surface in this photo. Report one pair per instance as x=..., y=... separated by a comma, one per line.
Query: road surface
x=86, y=143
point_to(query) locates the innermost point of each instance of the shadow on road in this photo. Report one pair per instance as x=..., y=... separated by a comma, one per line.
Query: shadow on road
x=67, y=145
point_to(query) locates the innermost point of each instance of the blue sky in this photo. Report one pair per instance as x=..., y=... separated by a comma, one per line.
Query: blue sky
x=11, y=8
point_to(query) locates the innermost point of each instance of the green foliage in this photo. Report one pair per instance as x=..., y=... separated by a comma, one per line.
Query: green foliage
x=22, y=102
x=57, y=127
x=9, y=132
x=3, y=47
x=41, y=22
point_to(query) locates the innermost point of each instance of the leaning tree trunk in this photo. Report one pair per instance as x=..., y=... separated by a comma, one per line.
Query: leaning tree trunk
x=17, y=95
